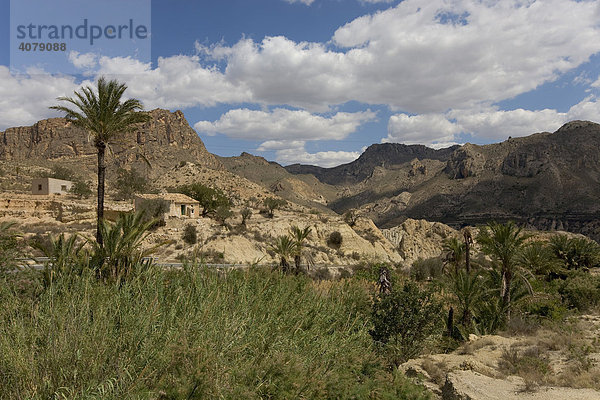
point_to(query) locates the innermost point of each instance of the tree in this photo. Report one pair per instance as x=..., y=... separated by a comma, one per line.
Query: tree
x=222, y=213
x=246, y=214
x=454, y=253
x=103, y=115
x=273, y=204
x=403, y=319
x=504, y=243
x=299, y=236
x=81, y=189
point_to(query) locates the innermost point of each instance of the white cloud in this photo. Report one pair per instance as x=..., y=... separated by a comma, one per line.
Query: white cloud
x=24, y=100
x=407, y=58
x=421, y=129
x=487, y=124
x=283, y=124
x=83, y=61
x=307, y=2
x=323, y=158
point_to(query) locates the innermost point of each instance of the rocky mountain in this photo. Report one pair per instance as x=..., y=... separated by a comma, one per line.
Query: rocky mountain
x=385, y=155
x=302, y=189
x=164, y=141
x=546, y=180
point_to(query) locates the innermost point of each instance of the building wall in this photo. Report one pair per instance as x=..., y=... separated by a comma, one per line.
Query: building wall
x=45, y=186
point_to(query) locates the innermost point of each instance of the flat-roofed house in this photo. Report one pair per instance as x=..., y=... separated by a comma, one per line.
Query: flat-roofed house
x=50, y=186
x=180, y=205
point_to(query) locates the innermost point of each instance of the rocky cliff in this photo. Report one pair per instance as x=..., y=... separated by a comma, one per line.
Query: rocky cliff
x=164, y=141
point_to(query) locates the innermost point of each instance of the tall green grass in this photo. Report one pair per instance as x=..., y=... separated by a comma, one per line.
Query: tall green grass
x=192, y=334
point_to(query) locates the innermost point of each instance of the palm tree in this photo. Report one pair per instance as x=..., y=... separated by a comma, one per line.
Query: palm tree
x=504, y=243
x=299, y=236
x=101, y=113
x=284, y=247
x=454, y=252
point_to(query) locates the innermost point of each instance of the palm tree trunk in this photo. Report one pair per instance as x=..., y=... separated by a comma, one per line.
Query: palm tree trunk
x=297, y=263
x=101, y=146
x=507, y=278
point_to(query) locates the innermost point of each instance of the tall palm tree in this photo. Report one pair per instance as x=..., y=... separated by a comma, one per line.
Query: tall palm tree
x=101, y=113
x=504, y=243
x=299, y=236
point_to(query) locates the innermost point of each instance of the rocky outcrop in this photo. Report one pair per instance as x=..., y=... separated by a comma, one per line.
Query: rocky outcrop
x=384, y=155
x=164, y=141
x=465, y=162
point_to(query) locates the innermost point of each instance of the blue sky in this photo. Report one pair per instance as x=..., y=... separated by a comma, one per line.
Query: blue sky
x=316, y=81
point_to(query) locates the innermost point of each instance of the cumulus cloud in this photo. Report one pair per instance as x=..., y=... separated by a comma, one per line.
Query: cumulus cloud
x=426, y=129
x=487, y=124
x=324, y=159
x=422, y=56
x=280, y=124
x=83, y=61
x=24, y=100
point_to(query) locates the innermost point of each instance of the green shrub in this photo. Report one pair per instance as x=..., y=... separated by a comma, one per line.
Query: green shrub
x=334, y=240
x=430, y=268
x=246, y=213
x=60, y=172
x=581, y=291
x=222, y=213
x=81, y=189
x=190, y=234
x=404, y=319
x=575, y=253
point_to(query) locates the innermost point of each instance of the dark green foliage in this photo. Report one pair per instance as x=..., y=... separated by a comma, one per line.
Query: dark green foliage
x=575, y=253
x=538, y=258
x=193, y=334
x=10, y=247
x=153, y=210
x=581, y=291
x=335, y=240
x=60, y=172
x=222, y=213
x=81, y=189
x=404, y=319
x=130, y=183
x=209, y=198
x=190, y=234
x=122, y=255
x=430, y=268
x=272, y=204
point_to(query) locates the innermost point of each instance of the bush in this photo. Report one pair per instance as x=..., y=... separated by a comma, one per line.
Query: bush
x=81, y=189
x=60, y=172
x=190, y=234
x=430, y=268
x=403, y=320
x=575, y=253
x=335, y=240
x=350, y=217
x=581, y=291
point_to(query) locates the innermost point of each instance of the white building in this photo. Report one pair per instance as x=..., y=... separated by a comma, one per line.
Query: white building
x=45, y=186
